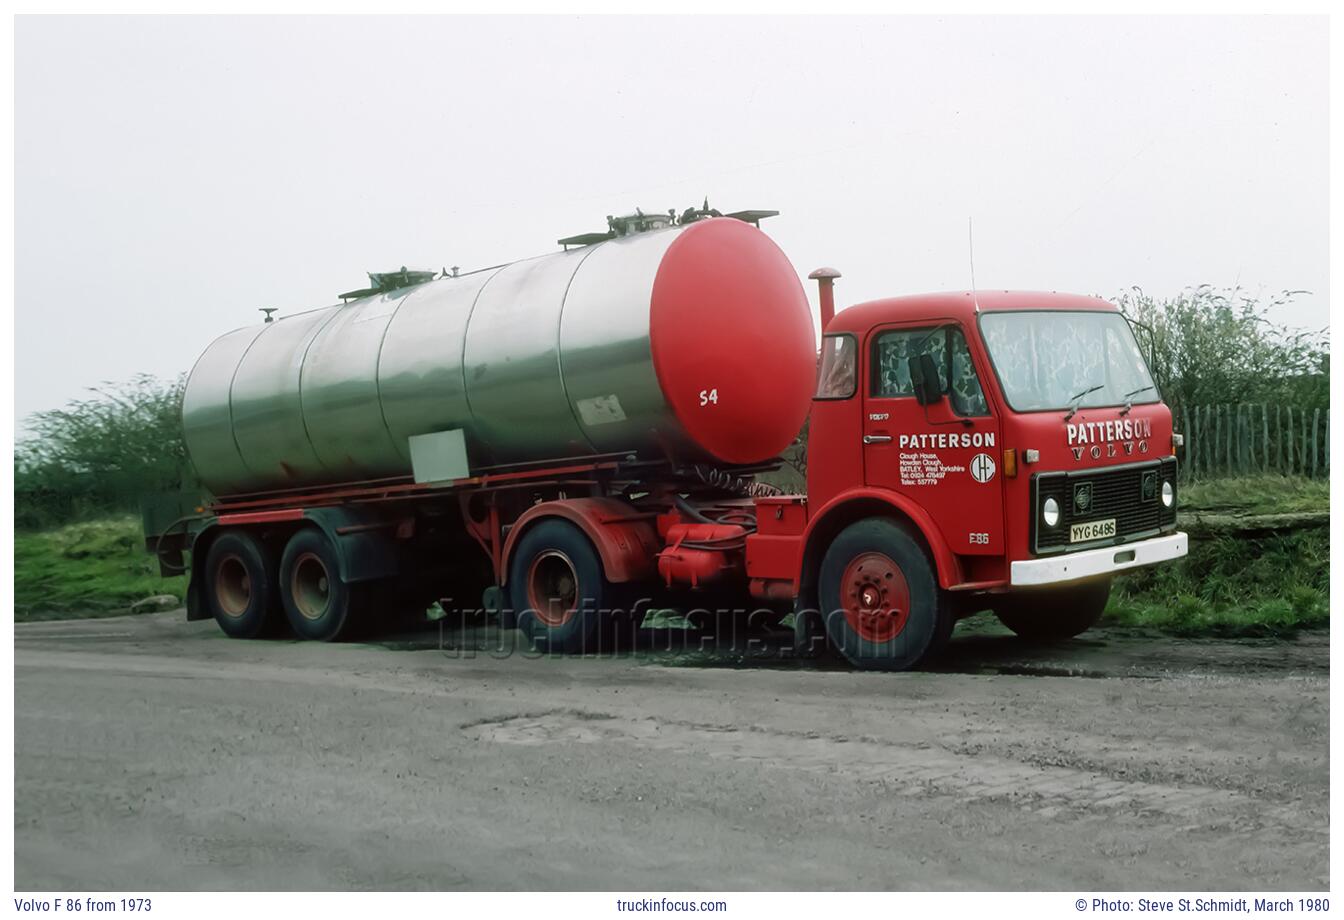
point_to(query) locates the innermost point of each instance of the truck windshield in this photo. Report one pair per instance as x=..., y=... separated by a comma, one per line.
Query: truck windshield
x=1054, y=359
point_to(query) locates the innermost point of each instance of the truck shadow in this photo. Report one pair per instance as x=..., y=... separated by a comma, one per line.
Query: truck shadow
x=763, y=649
x=978, y=646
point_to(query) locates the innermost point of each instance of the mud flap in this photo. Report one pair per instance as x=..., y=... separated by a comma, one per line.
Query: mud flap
x=363, y=540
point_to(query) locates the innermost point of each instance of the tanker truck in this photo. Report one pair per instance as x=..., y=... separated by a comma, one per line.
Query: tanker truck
x=570, y=440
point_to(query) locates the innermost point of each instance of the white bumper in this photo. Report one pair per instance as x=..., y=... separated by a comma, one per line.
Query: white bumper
x=1093, y=562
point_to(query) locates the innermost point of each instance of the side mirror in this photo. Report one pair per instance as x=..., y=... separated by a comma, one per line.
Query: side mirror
x=924, y=378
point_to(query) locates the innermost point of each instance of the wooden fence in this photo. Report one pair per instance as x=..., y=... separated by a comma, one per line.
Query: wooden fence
x=1237, y=440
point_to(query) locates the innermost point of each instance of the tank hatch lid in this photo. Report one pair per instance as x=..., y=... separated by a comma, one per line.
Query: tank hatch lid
x=382, y=282
x=752, y=217
x=585, y=239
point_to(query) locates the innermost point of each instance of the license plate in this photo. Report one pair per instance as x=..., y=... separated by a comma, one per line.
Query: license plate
x=1092, y=530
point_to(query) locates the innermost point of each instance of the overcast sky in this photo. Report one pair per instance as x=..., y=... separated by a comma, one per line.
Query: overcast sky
x=175, y=174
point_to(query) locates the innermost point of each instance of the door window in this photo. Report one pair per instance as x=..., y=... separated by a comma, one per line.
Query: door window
x=952, y=359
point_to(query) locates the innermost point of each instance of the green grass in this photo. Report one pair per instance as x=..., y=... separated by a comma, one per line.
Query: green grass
x=1237, y=584
x=1232, y=586
x=97, y=568
x=1257, y=495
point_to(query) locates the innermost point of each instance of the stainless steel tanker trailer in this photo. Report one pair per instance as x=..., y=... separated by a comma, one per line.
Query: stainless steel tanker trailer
x=569, y=439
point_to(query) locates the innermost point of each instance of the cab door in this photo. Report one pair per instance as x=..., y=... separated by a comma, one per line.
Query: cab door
x=947, y=456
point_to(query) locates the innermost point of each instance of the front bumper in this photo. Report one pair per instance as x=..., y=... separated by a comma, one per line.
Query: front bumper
x=1093, y=562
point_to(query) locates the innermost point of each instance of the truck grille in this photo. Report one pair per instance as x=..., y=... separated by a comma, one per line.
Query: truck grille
x=1101, y=494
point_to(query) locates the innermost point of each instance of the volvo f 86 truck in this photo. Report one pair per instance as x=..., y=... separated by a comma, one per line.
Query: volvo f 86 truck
x=583, y=436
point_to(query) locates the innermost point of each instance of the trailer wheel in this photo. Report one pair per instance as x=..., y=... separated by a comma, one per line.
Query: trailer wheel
x=318, y=604
x=240, y=584
x=1054, y=613
x=880, y=597
x=558, y=590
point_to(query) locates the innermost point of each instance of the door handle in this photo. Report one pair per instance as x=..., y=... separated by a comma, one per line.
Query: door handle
x=876, y=438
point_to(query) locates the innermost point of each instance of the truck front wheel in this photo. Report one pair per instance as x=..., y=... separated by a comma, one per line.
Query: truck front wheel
x=1054, y=613
x=880, y=598
x=240, y=585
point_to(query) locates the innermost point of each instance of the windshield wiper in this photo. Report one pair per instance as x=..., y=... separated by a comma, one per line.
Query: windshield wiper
x=1077, y=398
x=1129, y=397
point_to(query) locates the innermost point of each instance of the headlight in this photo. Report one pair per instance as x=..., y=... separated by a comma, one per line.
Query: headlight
x=1050, y=512
x=1168, y=494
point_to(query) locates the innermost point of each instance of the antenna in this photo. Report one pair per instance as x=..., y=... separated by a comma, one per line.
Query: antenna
x=970, y=240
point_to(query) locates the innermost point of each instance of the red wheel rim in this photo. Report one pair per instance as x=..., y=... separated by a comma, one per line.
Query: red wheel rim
x=553, y=588
x=875, y=597
x=233, y=586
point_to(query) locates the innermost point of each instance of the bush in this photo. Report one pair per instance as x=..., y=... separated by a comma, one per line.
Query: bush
x=101, y=454
x=1214, y=347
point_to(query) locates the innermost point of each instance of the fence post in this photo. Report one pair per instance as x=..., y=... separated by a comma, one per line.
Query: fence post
x=1264, y=419
x=1208, y=439
x=1248, y=435
x=1306, y=461
x=1315, y=452
x=1243, y=442
x=1231, y=440
x=1278, y=438
x=1327, y=442
x=1217, y=436
x=1189, y=442
x=1250, y=438
x=1290, y=441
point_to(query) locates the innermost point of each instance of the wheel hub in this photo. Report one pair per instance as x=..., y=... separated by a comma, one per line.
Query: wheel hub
x=310, y=586
x=553, y=588
x=875, y=597
x=233, y=586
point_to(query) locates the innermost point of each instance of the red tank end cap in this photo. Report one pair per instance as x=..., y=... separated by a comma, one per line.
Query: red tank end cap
x=732, y=341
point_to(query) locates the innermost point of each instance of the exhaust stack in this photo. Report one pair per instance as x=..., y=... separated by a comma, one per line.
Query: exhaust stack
x=825, y=278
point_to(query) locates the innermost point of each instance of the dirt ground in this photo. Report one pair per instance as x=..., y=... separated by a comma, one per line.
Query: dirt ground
x=152, y=753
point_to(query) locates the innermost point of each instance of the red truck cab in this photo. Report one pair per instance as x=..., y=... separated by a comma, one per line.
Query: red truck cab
x=1003, y=450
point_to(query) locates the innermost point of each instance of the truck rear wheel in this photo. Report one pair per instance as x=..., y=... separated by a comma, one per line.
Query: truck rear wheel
x=1054, y=613
x=240, y=585
x=880, y=598
x=558, y=590
x=318, y=604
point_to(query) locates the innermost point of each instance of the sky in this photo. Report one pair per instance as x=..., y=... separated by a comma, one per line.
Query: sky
x=174, y=175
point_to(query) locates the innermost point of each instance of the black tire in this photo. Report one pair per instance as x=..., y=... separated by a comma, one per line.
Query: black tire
x=1054, y=613
x=318, y=604
x=869, y=561
x=559, y=592
x=241, y=585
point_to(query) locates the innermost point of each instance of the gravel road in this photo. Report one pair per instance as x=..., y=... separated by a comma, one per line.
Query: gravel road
x=152, y=753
